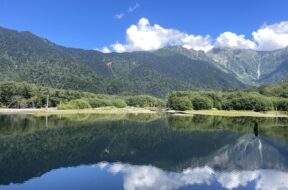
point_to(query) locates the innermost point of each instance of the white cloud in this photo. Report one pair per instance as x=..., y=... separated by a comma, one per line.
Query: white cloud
x=133, y=8
x=232, y=40
x=271, y=37
x=267, y=38
x=119, y=16
x=144, y=36
x=103, y=50
x=106, y=50
x=118, y=47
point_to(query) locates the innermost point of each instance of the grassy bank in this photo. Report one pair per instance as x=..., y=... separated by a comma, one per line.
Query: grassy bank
x=233, y=113
x=135, y=110
x=101, y=110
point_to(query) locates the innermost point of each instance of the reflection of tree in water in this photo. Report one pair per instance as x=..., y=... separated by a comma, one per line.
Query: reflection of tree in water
x=270, y=127
x=72, y=141
x=255, y=129
x=103, y=140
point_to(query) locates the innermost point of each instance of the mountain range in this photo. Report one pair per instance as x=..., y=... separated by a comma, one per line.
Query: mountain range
x=27, y=57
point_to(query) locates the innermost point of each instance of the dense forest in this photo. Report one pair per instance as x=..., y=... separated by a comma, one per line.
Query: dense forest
x=263, y=98
x=25, y=95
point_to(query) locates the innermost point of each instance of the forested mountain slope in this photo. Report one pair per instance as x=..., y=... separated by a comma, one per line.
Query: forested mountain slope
x=26, y=57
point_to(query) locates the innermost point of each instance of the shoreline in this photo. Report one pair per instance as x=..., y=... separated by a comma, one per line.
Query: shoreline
x=101, y=110
x=236, y=113
x=136, y=110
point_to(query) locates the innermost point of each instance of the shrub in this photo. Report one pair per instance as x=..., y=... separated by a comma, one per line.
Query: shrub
x=144, y=101
x=119, y=103
x=255, y=103
x=97, y=102
x=179, y=103
x=216, y=98
x=74, y=104
x=202, y=103
x=282, y=105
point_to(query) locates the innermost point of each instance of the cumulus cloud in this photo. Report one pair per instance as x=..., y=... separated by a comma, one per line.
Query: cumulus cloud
x=232, y=40
x=118, y=47
x=267, y=38
x=271, y=37
x=144, y=36
x=105, y=49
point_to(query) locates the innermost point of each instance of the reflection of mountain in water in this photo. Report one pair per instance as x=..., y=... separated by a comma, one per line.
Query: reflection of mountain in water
x=250, y=153
x=31, y=154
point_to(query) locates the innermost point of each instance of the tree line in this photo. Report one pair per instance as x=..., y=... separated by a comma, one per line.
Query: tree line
x=25, y=95
x=235, y=100
x=263, y=98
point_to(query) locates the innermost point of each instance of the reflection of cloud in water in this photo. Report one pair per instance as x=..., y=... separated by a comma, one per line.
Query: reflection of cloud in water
x=235, y=179
x=150, y=177
x=265, y=179
x=102, y=165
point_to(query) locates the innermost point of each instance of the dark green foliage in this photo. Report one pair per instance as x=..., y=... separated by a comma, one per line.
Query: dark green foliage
x=277, y=90
x=237, y=100
x=119, y=103
x=282, y=105
x=74, y=104
x=179, y=103
x=144, y=101
x=202, y=103
x=255, y=103
x=24, y=95
x=99, y=102
x=200, y=100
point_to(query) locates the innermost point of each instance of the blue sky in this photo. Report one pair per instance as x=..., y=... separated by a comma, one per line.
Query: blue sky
x=92, y=24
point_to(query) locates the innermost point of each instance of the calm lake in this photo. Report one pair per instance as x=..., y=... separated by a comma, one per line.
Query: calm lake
x=160, y=152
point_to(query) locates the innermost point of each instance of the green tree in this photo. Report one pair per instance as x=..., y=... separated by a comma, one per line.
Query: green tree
x=179, y=103
x=119, y=103
x=144, y=101
x=282, y=105
x=202, y=103
x=75, y=104
x=98, y=102
x=255, y=103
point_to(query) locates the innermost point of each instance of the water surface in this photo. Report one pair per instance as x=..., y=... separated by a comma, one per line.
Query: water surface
x=142, y=152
